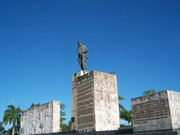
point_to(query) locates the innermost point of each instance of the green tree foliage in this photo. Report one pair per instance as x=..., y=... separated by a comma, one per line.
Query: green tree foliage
x=64, y=127
x=120, y=105
x=62, y=113
x=9, y=132
x=12, y=116
x=148, y=92
x=34, y=105
x=112, y=73
x=70, y=124
x=2, y=130
x=126, y=115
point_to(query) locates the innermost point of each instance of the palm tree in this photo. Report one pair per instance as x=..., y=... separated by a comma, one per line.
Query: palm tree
x=12, y=116
x=120, y=106
x=149, y=92
x=126, y=115
x=2, y=130
x=34, y=105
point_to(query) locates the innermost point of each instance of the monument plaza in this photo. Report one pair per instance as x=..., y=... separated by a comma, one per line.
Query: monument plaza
x=95, y=108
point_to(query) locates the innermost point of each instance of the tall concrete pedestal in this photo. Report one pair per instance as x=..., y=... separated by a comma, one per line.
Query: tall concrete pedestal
x=95, y=101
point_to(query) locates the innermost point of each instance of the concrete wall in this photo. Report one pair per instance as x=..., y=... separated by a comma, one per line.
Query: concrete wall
x=47, y=115
x=106, y=101
x=95, y=101
x=159, y=111
x=151, y=112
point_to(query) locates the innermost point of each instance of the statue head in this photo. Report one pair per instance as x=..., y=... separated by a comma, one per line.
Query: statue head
x=79, y=43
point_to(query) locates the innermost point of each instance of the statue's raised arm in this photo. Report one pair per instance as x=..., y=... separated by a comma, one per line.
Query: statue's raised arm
x=82, y=56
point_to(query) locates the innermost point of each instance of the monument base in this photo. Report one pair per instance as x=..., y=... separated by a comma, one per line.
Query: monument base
x=120, y=132
x=94, y=101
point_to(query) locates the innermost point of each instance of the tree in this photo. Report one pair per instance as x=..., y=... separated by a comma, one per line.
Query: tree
x=70, y=124
x=120, y=106
x=34, y=105
x=12, y=116
x=149, y=92
x=63, y=126
x=62, y=113
x=2, y=130
x=126, y=115
x=66, y=127
x=112, y=73
x=8, y=132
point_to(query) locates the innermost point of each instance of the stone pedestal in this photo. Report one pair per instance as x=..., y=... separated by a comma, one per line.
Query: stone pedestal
x=159, y=111
x=95, y=101
x=41, y=119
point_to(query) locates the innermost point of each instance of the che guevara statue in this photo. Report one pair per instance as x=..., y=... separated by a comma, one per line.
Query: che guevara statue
x=82, y=56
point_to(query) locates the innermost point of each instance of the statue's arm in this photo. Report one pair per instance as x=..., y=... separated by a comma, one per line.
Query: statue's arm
x=85, y=49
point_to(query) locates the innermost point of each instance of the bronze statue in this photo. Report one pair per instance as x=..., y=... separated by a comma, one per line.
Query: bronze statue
x=82, y=56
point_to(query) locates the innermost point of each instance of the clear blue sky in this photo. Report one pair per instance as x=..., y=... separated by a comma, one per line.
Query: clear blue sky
x=137, y=39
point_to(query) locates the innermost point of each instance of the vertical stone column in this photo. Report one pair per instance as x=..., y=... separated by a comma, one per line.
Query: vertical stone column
x=56, y=116
x=95, y=101
x=106, y=102
x=174, y=106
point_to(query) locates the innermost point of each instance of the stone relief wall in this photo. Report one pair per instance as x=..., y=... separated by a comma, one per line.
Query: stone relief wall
x=46, y=116
x=159, y=111
x=150, y=110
